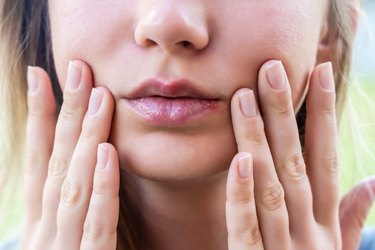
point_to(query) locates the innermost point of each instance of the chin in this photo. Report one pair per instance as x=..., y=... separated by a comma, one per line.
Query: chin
x=175, y=156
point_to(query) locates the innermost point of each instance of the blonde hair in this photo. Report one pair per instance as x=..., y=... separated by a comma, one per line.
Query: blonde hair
x=25, y=40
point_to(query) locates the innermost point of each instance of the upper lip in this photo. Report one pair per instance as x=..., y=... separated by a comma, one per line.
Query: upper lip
x=180, y=88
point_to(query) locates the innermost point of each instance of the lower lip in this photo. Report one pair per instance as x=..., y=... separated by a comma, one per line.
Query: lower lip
x=172, y=111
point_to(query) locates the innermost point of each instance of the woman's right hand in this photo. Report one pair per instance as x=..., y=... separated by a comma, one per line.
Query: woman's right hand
x=71, y=174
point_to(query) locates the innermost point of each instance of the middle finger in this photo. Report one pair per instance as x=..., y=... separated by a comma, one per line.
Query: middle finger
x=282, y=134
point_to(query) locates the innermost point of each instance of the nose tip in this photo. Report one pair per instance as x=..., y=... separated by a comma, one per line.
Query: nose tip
x=171, y=31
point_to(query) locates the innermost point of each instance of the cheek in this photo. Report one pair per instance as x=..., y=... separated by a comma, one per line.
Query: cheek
x=81, y=29
x=281, y=33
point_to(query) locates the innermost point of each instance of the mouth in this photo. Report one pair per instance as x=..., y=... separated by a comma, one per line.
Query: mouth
x=172, y=103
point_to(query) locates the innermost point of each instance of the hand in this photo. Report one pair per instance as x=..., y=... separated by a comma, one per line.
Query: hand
x=273, y=200
x=354, y=208
x=70, y=158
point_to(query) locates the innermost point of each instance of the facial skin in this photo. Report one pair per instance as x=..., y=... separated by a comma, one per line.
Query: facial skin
x=127, y=42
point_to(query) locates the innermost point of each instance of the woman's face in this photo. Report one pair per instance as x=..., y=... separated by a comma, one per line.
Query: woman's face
x=212, y=46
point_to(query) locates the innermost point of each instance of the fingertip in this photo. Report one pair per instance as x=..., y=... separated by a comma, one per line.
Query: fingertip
x=242, y=91
x=321, y=93
x=41, y=99
x=107, y=95
x=107, y=175
x=107, y=155
x=87, y=74
x=244, y=104
x=32, y=80
x=326, y=78
x=102, y=156
x=241, y=166
x=244, y=165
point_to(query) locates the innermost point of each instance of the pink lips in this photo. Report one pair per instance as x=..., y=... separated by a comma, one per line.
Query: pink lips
x=171, y=103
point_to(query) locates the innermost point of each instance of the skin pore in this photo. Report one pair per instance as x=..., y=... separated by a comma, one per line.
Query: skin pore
x=179, y=173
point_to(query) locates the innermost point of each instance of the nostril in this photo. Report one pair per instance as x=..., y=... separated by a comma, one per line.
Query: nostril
x=186, y=44
x=149, y=43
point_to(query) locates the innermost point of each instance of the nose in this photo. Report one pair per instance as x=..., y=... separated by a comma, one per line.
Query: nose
x=172, y=28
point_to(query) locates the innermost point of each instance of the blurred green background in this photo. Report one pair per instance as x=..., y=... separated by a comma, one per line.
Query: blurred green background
x=357, y=131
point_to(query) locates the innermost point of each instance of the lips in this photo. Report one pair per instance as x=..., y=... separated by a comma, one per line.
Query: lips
x=169, y=89
x=172, y=103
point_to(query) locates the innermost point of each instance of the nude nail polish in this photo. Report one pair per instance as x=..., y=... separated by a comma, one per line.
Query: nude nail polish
x=248, y=104
x=244, y=166
x=102, y=157
x=74, y=75
x=32, y=79
x=276, y=75
x=326, y=79
x=96, y=99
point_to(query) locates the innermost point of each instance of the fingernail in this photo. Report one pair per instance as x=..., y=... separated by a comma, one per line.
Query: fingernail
x=276, y=75
x=74, y=75
x=102, y=156
x=32, y=80
x=244, y=166
x=327, y=81
x=96, y=99
x=248, y=104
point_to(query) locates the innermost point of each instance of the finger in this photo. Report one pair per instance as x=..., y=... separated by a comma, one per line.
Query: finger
x=76, y=96
x=77, y=187
x=242, y=221
x=102, y=216
x=321, y=145
x=269, y=195
x=354, y=208
x=283, y=137
x=40, y=133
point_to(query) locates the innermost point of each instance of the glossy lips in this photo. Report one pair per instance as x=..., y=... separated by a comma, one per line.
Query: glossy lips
x=171, y=103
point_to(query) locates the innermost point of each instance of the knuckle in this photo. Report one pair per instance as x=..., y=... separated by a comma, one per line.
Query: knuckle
x=243, y=198
x=255, y=133
x=295, y=167
x=57, y=167
x=273, y=197
x=70, y=193
x=328, y=110
x=330, y=166
x=103, y=188
x=89, y=130
x=69, y=111
x=94, y=231
x=283, y=109
x=33, y=164
x=39, y=111
x=250, y=237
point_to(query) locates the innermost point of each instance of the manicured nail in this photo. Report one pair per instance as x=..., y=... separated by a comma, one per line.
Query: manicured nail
x=102, y=156
x=244, y=166
x=96, y=99
x=248, y=104
x=32, y=80
x=276, y=75
x=74, y=75
x=327, y=81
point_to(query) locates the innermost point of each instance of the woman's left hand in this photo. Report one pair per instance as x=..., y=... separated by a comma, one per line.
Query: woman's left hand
x=278, y=198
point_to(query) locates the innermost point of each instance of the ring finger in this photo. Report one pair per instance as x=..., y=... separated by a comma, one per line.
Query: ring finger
x=69, y=124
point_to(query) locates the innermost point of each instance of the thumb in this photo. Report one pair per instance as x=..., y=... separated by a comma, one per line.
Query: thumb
x=354, y=208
